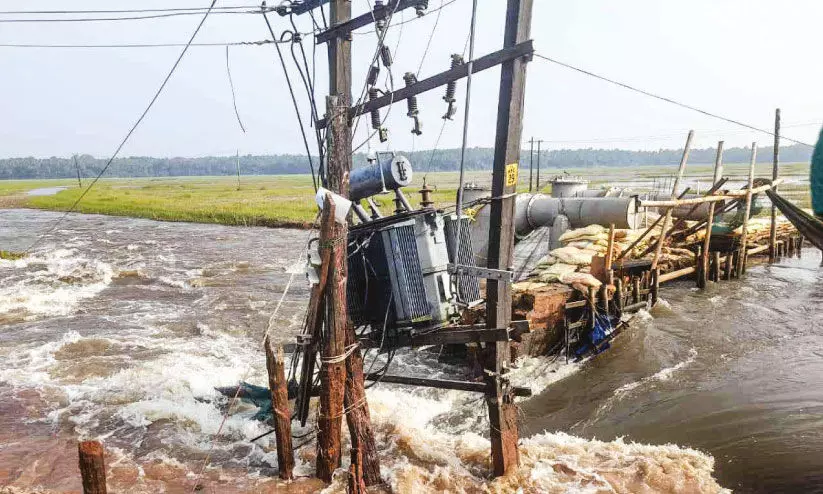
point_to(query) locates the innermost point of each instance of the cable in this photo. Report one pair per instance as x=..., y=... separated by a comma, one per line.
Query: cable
x=143, y=45
x=431, y=37
x=293, y=97
x=128, y=11
x=415, y=18
x=131, y=131
x=120, y=18
x=233, y=96
x=668, y=100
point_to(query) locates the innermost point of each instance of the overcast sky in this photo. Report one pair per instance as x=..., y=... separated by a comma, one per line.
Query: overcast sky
x=739, y=58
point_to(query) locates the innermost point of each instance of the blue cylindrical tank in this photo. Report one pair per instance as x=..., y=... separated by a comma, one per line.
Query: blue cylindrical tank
x=389, y=173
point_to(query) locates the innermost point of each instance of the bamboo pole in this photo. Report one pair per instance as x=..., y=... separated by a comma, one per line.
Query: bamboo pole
x=655, y=289
x=281, y=416
x=702, y=280
x=609, y=248
x=647, y=231
x=636, y=290
x=729, y=263
x=618, y=295
x=713, y=198
x=92, y=467
x=663, y=278
x=747, y=212
x=668, y=218
x=775, y=172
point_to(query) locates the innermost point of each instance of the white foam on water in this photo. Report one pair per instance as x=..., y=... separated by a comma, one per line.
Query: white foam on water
x=660, y=376
x=51, y=284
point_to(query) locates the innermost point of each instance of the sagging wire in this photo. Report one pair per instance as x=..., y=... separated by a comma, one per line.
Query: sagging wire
x=129, y=133
x=233, y=95
x=291, y=91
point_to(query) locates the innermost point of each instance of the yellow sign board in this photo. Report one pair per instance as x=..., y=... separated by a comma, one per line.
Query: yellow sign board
x=511, y=174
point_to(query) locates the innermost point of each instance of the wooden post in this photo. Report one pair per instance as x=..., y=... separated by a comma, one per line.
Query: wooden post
x=499, y=396
x=775, y=173
x=358, y=417
x=636, y=290
x=716, y=268
x=729, y=264
x=592, y=307
x=357, y=484
x=741, y=260
x=618, y=296
x=610, y=255
x=667, y=220
x=655, y=289
x=92, y=467
x=281, y=416
x=800, y=246
x=604, y=298
x=703, y=272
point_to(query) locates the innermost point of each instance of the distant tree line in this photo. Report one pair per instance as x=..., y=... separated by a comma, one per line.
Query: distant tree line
x=440, y=160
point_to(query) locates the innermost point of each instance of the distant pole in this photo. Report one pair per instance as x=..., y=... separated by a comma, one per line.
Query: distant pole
x=531, y=162
x=538, y=164
x=77, y=169
x=775, y=172
x=237, y=165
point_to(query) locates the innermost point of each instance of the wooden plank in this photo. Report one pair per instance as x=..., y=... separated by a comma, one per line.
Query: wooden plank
x=499, y=397
x=281, y=416
x=478, y=387
x=741, y=266
x=576, y=304
x=504, y=56
x=759, y=249
x=379, y=13
x=677, y=274
x=775, y=173
x=683, y=160
x=92, y=467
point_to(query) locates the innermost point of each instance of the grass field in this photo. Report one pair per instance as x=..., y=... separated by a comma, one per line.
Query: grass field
x=288, y=200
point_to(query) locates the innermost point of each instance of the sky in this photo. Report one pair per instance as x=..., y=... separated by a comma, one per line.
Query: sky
x=737, y=58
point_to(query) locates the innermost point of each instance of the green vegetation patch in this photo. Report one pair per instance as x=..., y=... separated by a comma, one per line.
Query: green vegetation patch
x=11, y=256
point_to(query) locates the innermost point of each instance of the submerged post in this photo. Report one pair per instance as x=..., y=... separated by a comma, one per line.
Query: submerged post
x=92, y=467
x=775, y=173
x=703, y=273
x=741, y=259
x=281, y=416
x=667, y=220
x=499, y=395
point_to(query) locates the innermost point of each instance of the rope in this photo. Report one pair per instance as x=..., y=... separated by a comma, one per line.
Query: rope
x=130, y=132
x=667, y=100
x=342, y=357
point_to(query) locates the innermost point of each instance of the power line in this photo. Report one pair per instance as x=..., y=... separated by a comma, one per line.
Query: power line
x=142, y=45
x=668, y=100
x=130, y=132
x=123, y=18
x=200, y=10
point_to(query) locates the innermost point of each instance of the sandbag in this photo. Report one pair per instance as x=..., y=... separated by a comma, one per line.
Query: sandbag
x=584, y=279
x=591, y=230
x=572, y=255
x=554, y=272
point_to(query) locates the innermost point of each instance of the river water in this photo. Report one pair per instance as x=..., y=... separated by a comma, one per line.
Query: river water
x=120, y=329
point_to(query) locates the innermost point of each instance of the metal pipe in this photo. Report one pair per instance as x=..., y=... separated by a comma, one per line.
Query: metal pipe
x=533, y=211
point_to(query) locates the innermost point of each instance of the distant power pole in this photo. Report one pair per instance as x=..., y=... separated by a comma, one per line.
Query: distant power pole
x=538, y=164
x=237, y=165
x=531, y=162
x=77, y=169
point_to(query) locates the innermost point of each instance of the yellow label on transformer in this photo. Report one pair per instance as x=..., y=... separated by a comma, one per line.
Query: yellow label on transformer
x=511, y=174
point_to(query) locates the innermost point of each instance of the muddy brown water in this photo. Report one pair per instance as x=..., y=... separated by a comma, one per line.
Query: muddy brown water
x=120, y=328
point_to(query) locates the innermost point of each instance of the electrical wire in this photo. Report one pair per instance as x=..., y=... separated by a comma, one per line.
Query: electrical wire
x=668, y=100
x=233, y=96
x=142, y=45
x=199, y=10
x=415, y=18
x=431, y=37
x=293, y=97
x=130, y=132
x=119, y=18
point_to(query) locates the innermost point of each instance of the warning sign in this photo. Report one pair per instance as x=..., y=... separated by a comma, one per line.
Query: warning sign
x=511, y=174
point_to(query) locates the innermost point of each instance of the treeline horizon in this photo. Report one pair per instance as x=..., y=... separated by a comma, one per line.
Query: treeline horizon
x=477, y=158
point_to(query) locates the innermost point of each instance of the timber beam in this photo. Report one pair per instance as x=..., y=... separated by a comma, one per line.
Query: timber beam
x=450, y=336
x=520, y=50
x=477, y=387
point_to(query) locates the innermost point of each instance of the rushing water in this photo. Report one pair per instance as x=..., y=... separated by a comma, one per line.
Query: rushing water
x=120, y=329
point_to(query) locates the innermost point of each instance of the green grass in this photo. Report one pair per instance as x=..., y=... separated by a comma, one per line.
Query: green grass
x=288, y=200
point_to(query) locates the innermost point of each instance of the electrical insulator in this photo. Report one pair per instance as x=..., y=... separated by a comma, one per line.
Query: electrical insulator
x=374, y=71
x=413, y=112
x=385, y=56
x=451, y=88
x=420, y=7
x=383, y=134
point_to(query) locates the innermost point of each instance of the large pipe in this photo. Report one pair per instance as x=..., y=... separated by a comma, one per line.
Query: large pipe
x=533, y=211
x=389, y=173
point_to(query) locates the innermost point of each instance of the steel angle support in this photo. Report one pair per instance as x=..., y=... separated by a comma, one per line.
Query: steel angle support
x=298, y=7
x=520, y=50
x=487, y=273
x=378, y=14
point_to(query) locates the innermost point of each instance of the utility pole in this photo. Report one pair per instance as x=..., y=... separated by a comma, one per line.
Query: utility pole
x=538, y=164
x=237, y=165
x=499, y=396
x=531, y=162
x=77, y=169
x=775, y=173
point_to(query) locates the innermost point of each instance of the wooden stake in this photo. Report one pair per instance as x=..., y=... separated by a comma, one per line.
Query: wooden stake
x=702, y=279
x=499, y=397
x=716, y=268
x=618, y=295
x=92, y=467
x=281, y=416
x=609, y=249
x=775, y=173
x=729, y=264
x=668, y=218
x=746, y=212
x=655, y=289
x=358, y=417
x=356, y=483
x=636, y=290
